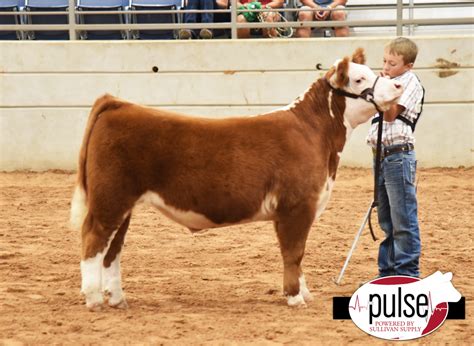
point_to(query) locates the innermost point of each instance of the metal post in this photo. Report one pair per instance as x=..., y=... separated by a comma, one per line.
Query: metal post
x=399, y=17
x=233, y=18
x=72, y=20
x=411, y=27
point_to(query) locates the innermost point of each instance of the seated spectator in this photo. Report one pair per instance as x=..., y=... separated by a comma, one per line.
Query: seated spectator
x=341, y=31
x=250, y=17
x=204, y=33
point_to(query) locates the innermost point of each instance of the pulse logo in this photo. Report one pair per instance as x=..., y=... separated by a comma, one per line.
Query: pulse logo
x=402, y=307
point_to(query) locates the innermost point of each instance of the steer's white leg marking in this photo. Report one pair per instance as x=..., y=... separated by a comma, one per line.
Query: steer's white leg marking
x=303, y=296
x=91, y=271
x=304, y=291
x=296, y=301
x=112, y=284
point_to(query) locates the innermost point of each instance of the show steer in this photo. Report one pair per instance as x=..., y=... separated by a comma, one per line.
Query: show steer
x=207, y=173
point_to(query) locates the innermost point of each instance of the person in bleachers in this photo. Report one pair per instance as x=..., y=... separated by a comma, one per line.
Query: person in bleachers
x=321, y=15
x=204, y=33
x=246, y=17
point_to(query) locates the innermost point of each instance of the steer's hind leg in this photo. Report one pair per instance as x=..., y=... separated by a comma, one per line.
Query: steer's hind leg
x=96, y=240
x=292, y=229
x=111, y=276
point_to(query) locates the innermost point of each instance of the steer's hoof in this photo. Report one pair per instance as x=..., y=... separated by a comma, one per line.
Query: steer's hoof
x=120, y=305
x=94, y=307
x=296, y=301
x=94, y=301
x=307, y=296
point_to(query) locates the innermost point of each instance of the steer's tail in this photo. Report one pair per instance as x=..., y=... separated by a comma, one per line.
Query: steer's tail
x=79, y=200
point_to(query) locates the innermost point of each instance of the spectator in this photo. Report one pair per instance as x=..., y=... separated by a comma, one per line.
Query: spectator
x=204, y=33
x=321, y=15
x=246, y=17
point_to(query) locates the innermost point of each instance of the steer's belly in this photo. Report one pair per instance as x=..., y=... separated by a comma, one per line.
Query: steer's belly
x=196, y=221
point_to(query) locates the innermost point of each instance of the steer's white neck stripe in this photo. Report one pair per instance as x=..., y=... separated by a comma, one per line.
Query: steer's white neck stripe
x=331, y=113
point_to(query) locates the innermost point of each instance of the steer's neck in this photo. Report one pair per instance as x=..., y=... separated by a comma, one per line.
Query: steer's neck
x=324, y=111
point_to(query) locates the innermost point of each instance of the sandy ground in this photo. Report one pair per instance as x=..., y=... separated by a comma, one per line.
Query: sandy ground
x=220, y=287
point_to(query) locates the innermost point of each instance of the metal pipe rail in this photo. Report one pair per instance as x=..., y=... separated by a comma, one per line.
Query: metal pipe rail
x=399, y=22
x=365, y=23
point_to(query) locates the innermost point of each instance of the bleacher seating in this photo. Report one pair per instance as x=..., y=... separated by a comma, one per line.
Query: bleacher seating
x=102, y=5
x=47, y=6
x=20, y=10
x=149, y=18
x=12, y=6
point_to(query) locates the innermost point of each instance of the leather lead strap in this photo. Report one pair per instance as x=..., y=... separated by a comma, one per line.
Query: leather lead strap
x=378, y=154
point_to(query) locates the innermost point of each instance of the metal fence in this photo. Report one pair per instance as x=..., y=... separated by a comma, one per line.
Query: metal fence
x=399, y=22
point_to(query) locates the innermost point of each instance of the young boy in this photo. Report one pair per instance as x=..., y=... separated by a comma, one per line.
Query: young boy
x=399, y=252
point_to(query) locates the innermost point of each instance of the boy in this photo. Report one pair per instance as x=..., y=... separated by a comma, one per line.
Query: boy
x=399, y=252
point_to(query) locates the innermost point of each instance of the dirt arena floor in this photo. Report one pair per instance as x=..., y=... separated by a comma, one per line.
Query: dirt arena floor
x=219, y=287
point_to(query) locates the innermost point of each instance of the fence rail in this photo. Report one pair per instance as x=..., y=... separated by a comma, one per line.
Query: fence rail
x=399, y=22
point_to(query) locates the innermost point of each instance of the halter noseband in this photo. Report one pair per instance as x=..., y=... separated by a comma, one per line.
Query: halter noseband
x=366, y=94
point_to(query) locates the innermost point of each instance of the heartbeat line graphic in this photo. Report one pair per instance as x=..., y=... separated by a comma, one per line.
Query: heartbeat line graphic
x=357, y=305
x=431, y=308
x=430, y=304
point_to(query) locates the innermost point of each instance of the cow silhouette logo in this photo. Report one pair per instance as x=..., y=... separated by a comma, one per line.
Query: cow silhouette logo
x=402, y=307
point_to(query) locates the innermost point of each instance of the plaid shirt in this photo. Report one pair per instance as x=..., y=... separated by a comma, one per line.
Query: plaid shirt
x=398, y=132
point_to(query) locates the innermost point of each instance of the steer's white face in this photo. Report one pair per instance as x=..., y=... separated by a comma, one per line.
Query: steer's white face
x=386, y=91
x=355, y=78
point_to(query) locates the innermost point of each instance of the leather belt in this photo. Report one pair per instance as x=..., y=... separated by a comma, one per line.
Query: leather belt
x=387, y=151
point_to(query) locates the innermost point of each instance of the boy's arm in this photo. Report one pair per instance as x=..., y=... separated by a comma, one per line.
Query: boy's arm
x=393, y=112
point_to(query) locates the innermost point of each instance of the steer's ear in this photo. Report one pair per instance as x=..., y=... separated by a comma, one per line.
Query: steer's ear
x=342, y=73
x=359, y=56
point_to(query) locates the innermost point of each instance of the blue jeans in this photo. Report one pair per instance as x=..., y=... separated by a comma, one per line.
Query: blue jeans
x=399, y=252
x=199, y=5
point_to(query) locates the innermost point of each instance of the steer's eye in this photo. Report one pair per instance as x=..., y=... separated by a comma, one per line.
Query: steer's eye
x=358, y=81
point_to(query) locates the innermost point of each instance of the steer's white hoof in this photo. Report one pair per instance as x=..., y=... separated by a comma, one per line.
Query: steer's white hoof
x=307, y=296
x=94, y=307
x=116, y=298
x=296, y=301
x=94, y=301
x=122, y=304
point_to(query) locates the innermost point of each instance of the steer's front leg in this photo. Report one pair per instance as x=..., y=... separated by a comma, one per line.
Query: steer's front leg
x=292, y=230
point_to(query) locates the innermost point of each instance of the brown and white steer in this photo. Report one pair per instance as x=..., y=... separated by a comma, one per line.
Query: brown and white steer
x=206, y=173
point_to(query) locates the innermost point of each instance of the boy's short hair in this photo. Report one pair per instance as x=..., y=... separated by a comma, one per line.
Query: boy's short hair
x=404, y=47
